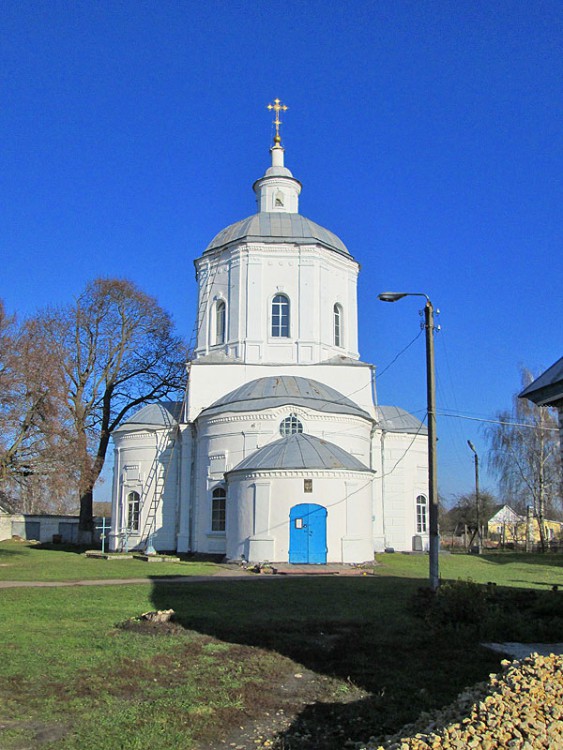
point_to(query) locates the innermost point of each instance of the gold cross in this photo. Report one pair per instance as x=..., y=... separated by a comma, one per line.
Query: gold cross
x=278, y=107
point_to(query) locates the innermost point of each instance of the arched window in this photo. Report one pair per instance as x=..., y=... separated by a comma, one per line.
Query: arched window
x=220, y=321
x=218, y=509
x=280, y=316
x=291, y=425
x=133, y=511
x=420, y=514
x=337, y=318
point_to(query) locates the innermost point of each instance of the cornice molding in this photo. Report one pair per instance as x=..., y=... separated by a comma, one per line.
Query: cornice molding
x=280, y=412
x=242, y=476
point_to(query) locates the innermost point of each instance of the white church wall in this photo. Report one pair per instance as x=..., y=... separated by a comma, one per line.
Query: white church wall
x=225, y=440
x=144, y=461
x=259, y=505
x=402, y=476
x=185, y=488
x=248, y=276
x=236, y=435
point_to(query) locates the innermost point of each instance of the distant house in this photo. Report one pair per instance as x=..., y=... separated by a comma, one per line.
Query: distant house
x=507, y=526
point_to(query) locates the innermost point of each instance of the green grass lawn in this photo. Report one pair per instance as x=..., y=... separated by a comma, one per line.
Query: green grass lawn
x=72, y=679
x=504, y=569
x=21, y=561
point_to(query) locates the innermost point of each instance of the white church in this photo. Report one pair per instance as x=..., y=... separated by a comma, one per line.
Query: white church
x=279, y=451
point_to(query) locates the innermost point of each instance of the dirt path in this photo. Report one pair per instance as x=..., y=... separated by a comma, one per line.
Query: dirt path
x=228, y=574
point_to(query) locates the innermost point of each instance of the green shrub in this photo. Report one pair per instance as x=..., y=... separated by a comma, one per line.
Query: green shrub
x=489, y=613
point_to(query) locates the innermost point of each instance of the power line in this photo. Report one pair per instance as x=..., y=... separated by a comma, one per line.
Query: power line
x=418, y=335
x=498, y=421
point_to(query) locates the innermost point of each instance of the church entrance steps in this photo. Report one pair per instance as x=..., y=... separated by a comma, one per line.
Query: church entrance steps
x=327, y=569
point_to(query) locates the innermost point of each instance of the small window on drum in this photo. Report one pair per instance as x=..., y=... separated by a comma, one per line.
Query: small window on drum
x=291, y=425
x=220, y=320
x=337, y=319
x=280, y=316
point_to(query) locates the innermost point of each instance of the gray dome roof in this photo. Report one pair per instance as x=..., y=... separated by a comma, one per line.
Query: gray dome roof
x=300, y=451
x=268, y=393
x=278, y=227
x=152, y=416
x=395, y=419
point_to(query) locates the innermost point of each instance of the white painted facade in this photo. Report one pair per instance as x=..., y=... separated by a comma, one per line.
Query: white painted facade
x=277, y=318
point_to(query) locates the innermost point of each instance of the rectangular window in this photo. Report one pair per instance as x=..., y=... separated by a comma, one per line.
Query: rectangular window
x=280, y=316
x=421, y=514
x=337, y=325
x=133, y=511
x=218, y=509
x=220, y=313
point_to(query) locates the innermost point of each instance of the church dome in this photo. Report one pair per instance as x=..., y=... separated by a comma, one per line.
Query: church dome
x=301, y=451
x=278, y=218
x=280, y=390
x=278, y=227
x=152, y=417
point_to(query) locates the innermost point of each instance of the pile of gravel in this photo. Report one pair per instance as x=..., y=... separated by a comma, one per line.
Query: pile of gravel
x=520, y=708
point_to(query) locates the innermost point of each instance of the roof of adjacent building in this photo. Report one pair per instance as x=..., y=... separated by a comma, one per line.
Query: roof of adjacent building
x=278, y=227
x=274, y=391
x=301, y=451
x=547, y=389
x=505, y=514
x=395, y=419
x=153, y=416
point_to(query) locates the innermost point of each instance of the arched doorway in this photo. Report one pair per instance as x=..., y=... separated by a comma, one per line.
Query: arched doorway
x=307, y=534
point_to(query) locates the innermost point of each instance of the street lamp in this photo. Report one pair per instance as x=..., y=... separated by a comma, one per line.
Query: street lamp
x=477, y=499
x=434, y=572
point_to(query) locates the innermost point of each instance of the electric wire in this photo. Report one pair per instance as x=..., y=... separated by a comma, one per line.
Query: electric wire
x=507, y=423
x=418, y=335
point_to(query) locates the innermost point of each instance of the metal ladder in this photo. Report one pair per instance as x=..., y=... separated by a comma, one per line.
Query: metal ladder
x=156, y=478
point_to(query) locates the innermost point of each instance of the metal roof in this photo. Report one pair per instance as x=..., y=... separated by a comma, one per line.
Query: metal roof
x=152, y=416
x=395, y=419
x=548, y=387
x=300, y=451
x=273, y=391
x=278, y=227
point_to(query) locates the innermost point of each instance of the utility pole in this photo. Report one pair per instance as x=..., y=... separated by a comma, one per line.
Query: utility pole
x=434, y=540
x=477, y=498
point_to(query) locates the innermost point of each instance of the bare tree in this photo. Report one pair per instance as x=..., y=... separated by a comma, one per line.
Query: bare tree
x=34, y=466
x=116, y=350
x=464, y=514
x=525, y=455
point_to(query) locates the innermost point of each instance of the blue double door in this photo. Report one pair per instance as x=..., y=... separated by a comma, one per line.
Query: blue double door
x=307, y=534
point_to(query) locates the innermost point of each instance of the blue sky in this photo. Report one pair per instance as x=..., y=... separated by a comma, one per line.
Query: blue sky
x=427, y=135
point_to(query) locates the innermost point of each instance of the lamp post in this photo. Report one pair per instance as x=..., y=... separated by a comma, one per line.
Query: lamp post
x=434, y=548
x=477, y=498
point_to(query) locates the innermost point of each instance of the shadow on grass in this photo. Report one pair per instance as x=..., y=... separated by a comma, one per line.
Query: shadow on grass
x=77, y=549
x=359, y=630
x=509, y=558
x=6, y=553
